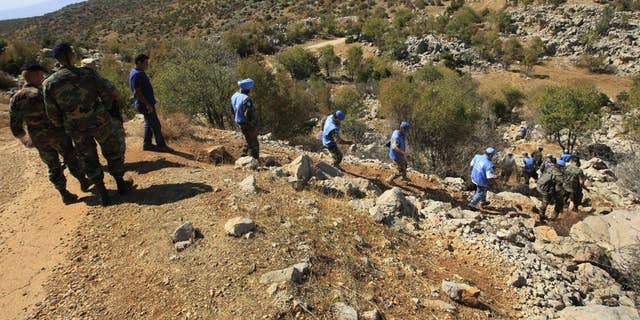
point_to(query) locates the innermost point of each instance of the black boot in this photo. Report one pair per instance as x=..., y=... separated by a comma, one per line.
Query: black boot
x=124, y=186
x=85, y=184
x=102, y=194
x=68, y=197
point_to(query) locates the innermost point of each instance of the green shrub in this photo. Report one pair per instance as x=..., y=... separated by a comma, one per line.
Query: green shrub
x=199, y=81
x=6, y=81
x=17, y=53
x=513, y=51
x=595, y=63
x=299, y=62
x=328, y=59
x=350, y=100
x=354, y=60
x=373, y=30
x=569, y=112
x=118, y=74
x=463, y=24
x=395, y=46
x=603, y=24
x=247, y=39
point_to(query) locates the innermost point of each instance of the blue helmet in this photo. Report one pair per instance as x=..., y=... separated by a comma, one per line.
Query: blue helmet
x=490, y=150
x=340, y=115
x=549, y=155
x=405, y=125
x=561, y=163
x=246, y=83
x=566, y=150
x=540, y=148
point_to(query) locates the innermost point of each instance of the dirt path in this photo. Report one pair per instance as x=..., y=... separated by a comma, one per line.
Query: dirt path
x=34, y=227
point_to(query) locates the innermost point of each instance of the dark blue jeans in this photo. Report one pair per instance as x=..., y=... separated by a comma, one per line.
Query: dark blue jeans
x=152, y=128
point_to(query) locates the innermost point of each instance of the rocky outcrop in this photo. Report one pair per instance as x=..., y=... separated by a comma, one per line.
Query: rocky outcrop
x=598, y=312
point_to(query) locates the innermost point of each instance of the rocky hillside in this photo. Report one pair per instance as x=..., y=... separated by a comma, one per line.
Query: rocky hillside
x=293, y=237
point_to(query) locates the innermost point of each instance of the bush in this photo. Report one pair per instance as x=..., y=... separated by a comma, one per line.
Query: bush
x=595, y=64
x=199, y=81
x=6, y=81
x=328, y=59
x=395, y=46
x=513, y=51
x=17, y=53
x=299, y=62
x=247, y=39
x=118, y=74
x=568, y=112
x=463, y=24
x=603, y=24
x=348, y=99
x=443, y=113
x=503, y=102
x=354, y=60
x=373, y=30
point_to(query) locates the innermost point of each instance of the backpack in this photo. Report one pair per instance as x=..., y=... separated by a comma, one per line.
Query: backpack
x=546, y=183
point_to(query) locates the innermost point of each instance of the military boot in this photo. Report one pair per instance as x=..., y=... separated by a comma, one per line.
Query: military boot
x=68, y=197
x=85, y=184
x=101, y=191
x=124, y=186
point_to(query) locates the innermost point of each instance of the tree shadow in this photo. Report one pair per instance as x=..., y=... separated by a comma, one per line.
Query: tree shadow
x=146, y=166
x=160, y=194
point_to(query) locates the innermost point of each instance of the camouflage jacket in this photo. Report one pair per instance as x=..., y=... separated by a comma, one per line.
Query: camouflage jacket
x=78, y=99
x=27, y=107
x=573, y=175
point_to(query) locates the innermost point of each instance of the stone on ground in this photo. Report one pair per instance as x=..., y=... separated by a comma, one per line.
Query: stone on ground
x=248, y=185
x=462, y=293
x=341, y=311
x=326, y=171
x=391, y=204
x=295, y=273
x=439, y=305
x=300, y=168
x=185, y=232
x=238, y=226
x=247, y=162
x=219, y=155
x=598, y=312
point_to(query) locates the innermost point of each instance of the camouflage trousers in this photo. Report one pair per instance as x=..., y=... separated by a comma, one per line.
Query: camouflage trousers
x=401, y=167
x=251, y=146
x=556, y=199
x=110, y=137
x=336, y=154
x=52, y=145
x=575, y=196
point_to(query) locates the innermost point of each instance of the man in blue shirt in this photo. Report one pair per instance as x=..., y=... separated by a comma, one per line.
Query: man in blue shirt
x=331, y=136
x=565, y=156
x=482, y=175
x=145, y=103
x=398, y=152
x=529, y=169
x=245, y=116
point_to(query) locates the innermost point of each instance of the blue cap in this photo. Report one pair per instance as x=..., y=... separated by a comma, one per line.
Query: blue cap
x=549, y=155
x=405, y=125
x=246, y=83
x=340, y=114
x=561, y=163
x=540, y=148
x=60, y=49
x=566, y=150
x=490, y=150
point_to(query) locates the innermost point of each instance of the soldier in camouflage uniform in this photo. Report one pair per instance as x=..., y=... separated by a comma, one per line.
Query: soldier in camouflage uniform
x=79, y=100
x=550, y=186
x=574, y=183
x=27, y=106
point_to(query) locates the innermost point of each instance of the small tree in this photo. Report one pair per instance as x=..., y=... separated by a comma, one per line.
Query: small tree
x=198, y=81
x=373, y=30
x=569, y=112
x=531, y=54
x=300, y=63
x=328, y=59
x=354, y=60
x=603, y=24
x=512, y=52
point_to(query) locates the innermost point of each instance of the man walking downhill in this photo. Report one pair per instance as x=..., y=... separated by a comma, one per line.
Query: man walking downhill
x=78, y=100
x=27, y=106
x=537, y=156
x=398, y=153
x=550, y=186
x=482, y=175
x=508, y=165
x=246, y=117
x=145, y=103
x=528, y=168
x=574, y=183
x=331, y=136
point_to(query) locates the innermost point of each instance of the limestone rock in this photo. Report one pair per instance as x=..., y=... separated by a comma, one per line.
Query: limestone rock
x=391, y=204
x=218, y=155
x=374, y=314
x=238, y=226
x=295, y=273
x=300, y=168
x=185, y=232
x=341, y=311
x=326, y=171
x=440, y=306
x=248, y=163
x=461, y=293
x=182, y=245
x=248, y=185
x=598, y=312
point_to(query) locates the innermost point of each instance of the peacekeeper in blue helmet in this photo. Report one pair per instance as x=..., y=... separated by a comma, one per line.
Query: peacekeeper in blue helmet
x=398, y=151
x=245, y=116
x=483, y=176
x=331, y=136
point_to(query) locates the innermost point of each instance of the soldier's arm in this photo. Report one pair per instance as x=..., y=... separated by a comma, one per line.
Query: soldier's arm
x=54, y=113
x=16, y=119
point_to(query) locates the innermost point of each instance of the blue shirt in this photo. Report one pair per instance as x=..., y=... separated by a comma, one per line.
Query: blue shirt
x=139, y=79
x=399, y=140
x=238, y=104
x=329, y=126
x=482, y=170
x=529, y=164
x=565, y=157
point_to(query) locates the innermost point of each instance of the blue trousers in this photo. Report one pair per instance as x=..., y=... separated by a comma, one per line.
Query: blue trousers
x=152, y=128
x=480, y=196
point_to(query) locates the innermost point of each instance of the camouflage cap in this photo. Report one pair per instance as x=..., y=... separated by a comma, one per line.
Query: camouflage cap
x=60, y=49
x=32, y=67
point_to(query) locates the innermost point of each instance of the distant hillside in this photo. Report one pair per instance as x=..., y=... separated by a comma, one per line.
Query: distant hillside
x=92, y=20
